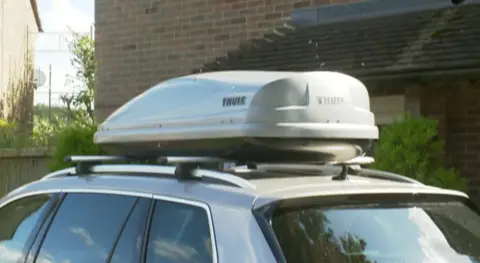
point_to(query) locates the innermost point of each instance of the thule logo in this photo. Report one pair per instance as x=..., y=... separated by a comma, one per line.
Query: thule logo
x=234, y=101
x=329, y=100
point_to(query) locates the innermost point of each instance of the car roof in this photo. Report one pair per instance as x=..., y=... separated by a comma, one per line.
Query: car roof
x=264, y=189
x=305, y=186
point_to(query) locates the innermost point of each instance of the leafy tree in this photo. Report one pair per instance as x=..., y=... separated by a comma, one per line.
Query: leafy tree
x=77, y=138
x=411, y=147
x=46, y=130
x=44, y=111
x=80, y=105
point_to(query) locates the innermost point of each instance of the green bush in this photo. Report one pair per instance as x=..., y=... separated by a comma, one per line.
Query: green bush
x=46, y=130
x=411, y=147
x=7, y=132
x=10, y=137
x=74, y=139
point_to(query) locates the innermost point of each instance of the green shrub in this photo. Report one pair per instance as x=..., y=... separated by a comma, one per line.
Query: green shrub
x=7, y=133
x=74, y=139
x=411, y=147
x=46, y=130
x=10, y=136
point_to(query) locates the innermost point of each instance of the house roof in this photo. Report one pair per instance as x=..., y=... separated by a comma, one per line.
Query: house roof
x=36, y=15
x=436, y=39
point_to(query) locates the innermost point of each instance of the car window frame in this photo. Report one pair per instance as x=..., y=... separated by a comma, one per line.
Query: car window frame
x=145, y=229
x=34, y=253
x=265, y=215
x=35, y=248
x=62, y=193
x=202, y=205
x=52, y=204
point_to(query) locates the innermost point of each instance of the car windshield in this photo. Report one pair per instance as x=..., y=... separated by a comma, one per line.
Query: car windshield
x=410, y=233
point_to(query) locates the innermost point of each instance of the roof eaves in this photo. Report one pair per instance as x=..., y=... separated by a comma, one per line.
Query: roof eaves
x=36, y=15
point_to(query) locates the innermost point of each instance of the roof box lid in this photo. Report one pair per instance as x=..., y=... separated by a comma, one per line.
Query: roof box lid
x=227, y=110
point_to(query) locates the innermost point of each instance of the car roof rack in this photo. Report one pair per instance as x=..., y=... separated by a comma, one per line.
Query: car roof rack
x=189, y=168
x=186, y=168
x=243, y=117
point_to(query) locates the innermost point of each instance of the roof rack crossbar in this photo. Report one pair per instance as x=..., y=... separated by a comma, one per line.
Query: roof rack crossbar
x=154, y=169
x=93, y=158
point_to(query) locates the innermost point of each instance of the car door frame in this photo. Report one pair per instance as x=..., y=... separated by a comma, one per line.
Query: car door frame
x=42, y=233
x=52, y=205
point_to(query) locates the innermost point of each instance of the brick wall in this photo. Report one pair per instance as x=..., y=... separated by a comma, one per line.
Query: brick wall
x=455, y=105
x=142, y=42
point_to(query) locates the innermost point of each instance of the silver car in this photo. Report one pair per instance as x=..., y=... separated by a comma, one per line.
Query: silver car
x=124, y=213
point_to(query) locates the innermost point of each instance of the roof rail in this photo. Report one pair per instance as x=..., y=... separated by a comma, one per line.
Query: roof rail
x=60, y=173
x=353, y=169
x=187, y=168
x=374, y=173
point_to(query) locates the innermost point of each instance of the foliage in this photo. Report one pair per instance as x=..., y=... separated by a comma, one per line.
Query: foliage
x=7, y=133
x=44, y=111
x=80, y=106
x=75, y=139
x=51, y=123
x=17, y=104
x=12, y=135
x=411, y=147
x=46, y=130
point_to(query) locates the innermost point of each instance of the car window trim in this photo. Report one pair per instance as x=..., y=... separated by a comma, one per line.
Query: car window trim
x=65, y=192
x=119, y=235
x=52, y=202
x=37, y=244
x=146, y=237
x=75, y=190
x=46, y=219
x=28, y=194
x=202, y=205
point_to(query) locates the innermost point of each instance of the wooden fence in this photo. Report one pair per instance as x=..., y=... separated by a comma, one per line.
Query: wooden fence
x=21, y=166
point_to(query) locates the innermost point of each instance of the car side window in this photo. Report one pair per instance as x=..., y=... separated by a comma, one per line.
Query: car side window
x=85, y=228
x=129, y=246
x=18, y=222
x=179, y=233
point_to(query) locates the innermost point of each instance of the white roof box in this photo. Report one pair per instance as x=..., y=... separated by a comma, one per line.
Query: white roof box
x=252, y=116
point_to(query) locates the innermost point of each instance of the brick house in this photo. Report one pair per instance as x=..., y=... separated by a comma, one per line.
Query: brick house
x=18, y=19
x=421, y=57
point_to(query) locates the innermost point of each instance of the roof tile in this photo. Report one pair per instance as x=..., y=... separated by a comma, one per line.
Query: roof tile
x=422, y=40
